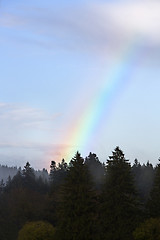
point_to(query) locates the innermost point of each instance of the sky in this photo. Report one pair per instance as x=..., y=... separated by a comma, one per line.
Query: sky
x=79, y=76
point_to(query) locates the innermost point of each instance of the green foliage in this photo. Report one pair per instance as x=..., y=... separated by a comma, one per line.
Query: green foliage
x=57, y=173
x=37, y=231
x=28, y=176
x=149, y=230
x=23, y=200
x=153, y=203
x=144, y=176
x=120, y=207
x=76, y=211
x=79, y=208
x=96, y=169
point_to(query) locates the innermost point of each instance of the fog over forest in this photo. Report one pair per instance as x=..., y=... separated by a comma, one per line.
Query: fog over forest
x=6, y=172
x=83, y=198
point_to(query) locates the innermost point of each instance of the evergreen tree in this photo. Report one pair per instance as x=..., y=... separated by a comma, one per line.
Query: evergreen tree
x=52, y=170
x=120, y=207
x=2, y=185
x=15, y=182
x=28, y=177
x=58, y=173
x=144, y=176
x=28, y=172
x=153, y=204
x=96, y=169
x=77, y=206
x=57, y=176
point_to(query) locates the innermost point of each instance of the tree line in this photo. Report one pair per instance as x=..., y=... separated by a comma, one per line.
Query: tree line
x=83, y=200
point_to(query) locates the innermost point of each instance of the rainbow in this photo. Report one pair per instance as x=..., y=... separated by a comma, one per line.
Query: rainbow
x=114, y=83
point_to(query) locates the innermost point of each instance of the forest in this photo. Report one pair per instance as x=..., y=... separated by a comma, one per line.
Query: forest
x=84, y=199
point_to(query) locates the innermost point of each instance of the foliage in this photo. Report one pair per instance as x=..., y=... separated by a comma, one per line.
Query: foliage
x=96, y=169
x=76, y=212
x=75, y=200
x=58, y=173
x=28, y=176
x=149, y=230
x=153, y=205
x=23, y=200
x=37, y=231
x=144, y=177
x=120, y=207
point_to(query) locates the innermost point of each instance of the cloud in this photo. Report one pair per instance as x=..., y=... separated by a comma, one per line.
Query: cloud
x=22, y=124
x=95, y=26
x=10, y=20
x=53, y=149
x=132, y=18
x=29, y=134
x=23, y=116
x=39, y=155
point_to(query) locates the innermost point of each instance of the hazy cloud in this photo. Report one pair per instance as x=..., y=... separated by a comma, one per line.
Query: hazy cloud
x=38, y=154
x=23, y=116
x=27, y=135
x=20, y=125
x=97, y=26
x=132, y=18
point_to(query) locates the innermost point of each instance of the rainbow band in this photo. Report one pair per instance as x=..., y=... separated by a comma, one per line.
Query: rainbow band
x=113, y=84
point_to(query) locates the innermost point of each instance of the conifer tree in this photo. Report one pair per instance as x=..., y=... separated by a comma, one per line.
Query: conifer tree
x=96, y=169
x=120, y=207
x=153, y=204
x=28, y=176
x=77, y=206
x=57, y=176
x=58, y=173
x=144, y=176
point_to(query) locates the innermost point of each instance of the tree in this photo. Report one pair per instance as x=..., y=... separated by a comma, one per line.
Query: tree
x=120, y=207
x=37, y=231
x=153, y=205
x=28, y=176
x=2, y=185
x=77, y=204
x=96, y=169
x=149, y=230
x=24, y=201
x=16, y=182
x=58, y=173
x=57, y=177
x=144, y=176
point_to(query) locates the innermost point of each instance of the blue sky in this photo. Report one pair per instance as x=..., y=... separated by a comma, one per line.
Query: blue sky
x=54, y=57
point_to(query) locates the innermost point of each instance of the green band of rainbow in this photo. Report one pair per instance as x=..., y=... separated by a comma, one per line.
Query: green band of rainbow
x=113, y=84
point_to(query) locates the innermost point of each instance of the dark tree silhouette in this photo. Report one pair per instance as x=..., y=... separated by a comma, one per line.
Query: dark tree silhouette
x=96, y=169
x=58, y=173
x=153, y=204
x=144, y=176
x=77, y=204
x=120, y=207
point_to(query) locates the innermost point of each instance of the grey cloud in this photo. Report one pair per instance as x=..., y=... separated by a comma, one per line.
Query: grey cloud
x=39, y=155
x=56, y=148
x=19, y=123
x=94, y=26
x=23, y=114
x=40, y=147
x=26, y=131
